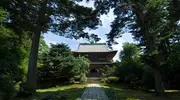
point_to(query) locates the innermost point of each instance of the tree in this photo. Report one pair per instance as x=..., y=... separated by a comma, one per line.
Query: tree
x=43, y=50
x=59, y=65
x=13, y=57
x=63, y=17
x=7, y=62
x=43, y=47
x=129, y=69
x=146, y=20
x=130, y=51
x=93, y=38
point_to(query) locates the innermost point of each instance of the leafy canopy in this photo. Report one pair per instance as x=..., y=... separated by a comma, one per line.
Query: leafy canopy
x=63, y=17
x=130, y=51
x=60, y=64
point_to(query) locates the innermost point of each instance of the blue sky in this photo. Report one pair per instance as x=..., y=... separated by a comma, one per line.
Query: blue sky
x=101, y=31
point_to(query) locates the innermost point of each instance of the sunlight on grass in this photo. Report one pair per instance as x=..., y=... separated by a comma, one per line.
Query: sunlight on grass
x=132, y=99
x=172, y=90
x=167, y=91
x=73, y=91
x=123, y=93
x=106, y=86
x=57, y=88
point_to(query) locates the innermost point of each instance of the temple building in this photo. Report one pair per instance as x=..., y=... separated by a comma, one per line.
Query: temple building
x=99, y=56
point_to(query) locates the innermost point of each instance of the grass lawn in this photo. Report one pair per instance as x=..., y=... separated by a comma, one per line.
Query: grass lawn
x=73, y=91
x=120, y=92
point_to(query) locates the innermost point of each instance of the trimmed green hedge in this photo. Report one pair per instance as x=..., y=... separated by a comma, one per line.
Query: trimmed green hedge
x=110, y=79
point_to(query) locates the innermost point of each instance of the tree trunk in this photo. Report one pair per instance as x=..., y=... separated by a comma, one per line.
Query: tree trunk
x=155, y=63
x=159, y=88
x=150, y=41
x=32, y=73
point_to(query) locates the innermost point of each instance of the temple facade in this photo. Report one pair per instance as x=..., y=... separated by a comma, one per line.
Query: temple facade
x=99, y=56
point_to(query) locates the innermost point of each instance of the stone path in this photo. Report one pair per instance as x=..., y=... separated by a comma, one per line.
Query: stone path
x=94, y=92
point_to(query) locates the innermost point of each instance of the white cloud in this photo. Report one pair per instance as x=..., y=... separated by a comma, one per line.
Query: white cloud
x=87, y=4
x=126, y=37
x=49, y=42
x=107, y=19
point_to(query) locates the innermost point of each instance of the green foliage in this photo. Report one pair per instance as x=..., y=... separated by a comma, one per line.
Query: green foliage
x=83, y=78
x=3, y=15
x=127, y=67
x=72, y=81
x=63, y=17
x=112, y=79
x=56, y=96
x=67, y=18
x=130, y=51
x=59, y=65
x=133, y=81
x=130, y=68
x=108, y=71
x=130, y=61
x=93, y=38
x=13, y=54
x=153, y=23
x=171, y=67
x=43, y=49
x=9, y=86
x=81, y=66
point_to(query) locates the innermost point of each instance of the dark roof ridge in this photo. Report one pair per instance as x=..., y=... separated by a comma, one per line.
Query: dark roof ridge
x=92, y=44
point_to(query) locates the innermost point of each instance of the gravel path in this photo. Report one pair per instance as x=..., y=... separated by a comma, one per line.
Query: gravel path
x=94, y=92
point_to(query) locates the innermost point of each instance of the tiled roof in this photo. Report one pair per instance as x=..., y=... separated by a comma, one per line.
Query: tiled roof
x=96, y=47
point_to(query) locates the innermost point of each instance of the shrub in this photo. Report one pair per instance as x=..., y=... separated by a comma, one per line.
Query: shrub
x=110, y=79
x=83, y=79
x=13, y=56
x=60, y=66
x=131, y=78
x=103, y=80
x=77, y=77
x=71, y=81
x=9, y=87
x=55, y=96
x=23, y=91
x=133, y=81
x=108, y=71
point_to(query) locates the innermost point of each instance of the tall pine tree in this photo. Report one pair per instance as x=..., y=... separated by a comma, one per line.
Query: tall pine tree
x=63, y=17
x=147, y=20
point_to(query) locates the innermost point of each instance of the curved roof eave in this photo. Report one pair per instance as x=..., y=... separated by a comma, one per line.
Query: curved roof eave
x=95, y=51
